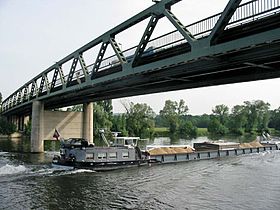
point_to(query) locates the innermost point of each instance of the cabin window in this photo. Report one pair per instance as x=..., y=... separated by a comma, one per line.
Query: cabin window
x=89, y=156
x=113, y=155
x=102, y=155
x=125, y=154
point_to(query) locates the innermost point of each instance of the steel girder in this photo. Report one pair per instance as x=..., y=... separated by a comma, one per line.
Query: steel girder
x=223, y=20
x=199, y=47
x=145, y=39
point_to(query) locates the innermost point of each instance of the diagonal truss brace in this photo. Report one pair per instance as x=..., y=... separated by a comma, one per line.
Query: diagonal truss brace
x=72, y=71
x=58, y=71
x=223, y=20
x=14, y=100
x=83, y=65
x=180, y=27
x=19, y=97
x=34, y=89
x=44, y=82
x=99, y=58
x=145, y=39
x=26, y=93
x=54, y=79
x=118, y=51
x=11, y=102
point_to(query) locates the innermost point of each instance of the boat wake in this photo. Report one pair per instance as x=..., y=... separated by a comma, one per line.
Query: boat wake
x=11, y=169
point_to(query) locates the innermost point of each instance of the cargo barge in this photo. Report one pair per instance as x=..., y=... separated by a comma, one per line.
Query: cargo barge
x=124, y=152
x=207, y=150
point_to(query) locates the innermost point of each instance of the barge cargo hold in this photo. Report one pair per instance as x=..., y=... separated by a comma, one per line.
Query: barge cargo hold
x=208, y=154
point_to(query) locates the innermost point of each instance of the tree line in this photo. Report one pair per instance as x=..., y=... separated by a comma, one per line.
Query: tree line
x=251, y=117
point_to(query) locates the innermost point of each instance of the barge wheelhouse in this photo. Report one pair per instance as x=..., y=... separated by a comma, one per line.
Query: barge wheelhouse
x=77, y=153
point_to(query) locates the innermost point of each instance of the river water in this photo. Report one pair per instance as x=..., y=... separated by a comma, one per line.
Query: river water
x=27, y=181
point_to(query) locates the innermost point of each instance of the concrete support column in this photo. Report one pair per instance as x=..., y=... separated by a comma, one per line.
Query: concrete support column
x=88, y=121
x=37, y=132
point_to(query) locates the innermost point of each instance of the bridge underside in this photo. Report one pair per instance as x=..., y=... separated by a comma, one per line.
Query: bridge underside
x=249, y=64
x=239, y=66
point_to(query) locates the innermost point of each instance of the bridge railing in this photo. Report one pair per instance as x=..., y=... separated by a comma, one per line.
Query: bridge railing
x=246, y=12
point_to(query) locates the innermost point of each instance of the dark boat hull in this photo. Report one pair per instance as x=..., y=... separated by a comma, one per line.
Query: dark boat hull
x=100, y=166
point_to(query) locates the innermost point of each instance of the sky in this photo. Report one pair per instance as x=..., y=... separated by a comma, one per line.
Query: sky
x=35, y=34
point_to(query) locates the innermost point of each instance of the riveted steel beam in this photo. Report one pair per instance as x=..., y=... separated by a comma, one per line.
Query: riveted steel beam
x=15, y=99
x=34, y=89
x=145, y=39
x=25, y=93
x=180, y=27
x=44, y=83
x=72, y=71
x=10, y=102
x=19, y=97
x=99, y=58
x=118, y=51
x=54, y=79
x=223, y=21
x=41, y=85
x=61, y=74
x=83, y=65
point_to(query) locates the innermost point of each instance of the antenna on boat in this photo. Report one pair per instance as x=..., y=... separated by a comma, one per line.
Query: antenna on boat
x=101, y=132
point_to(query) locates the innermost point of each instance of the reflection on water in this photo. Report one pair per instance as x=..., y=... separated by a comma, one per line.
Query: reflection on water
x=27, y=181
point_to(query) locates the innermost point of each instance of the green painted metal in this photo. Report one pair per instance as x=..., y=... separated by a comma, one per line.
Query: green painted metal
x=223, y=20
x=204, y=43
x=118, y=51
x=180, y=27
x=99, y=58
x=145, y=39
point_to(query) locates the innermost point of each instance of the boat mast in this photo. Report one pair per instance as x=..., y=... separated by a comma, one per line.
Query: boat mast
x=101, y=132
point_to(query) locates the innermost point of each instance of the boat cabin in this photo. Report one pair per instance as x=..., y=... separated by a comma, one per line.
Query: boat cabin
x=126, y=141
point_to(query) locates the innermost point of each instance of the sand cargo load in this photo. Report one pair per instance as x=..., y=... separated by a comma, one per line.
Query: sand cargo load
x=206, y=150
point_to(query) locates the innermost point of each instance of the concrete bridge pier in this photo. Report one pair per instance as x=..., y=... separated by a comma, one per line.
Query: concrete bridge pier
x=37, y=132
x=88, y=121
x=69, y=124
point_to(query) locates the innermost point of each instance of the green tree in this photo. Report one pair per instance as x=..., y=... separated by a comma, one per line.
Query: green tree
x=257, y=116
x=6, y=128
x=27, y=128
x=216, y=127
x=77, y=108
x=140, y=120
x=218, y=121
x=119, y=124
x=201, y=121
x=238, y=120
x=175, y=116
x=187, y=128
x=170, y=114
x=221, y=112
x=275, y=119
x=102, y=115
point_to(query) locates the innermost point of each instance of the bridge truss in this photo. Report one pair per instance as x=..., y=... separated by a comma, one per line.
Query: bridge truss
x=239, y=44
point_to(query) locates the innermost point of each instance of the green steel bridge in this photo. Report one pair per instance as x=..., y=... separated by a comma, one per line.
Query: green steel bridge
x=242, y=43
